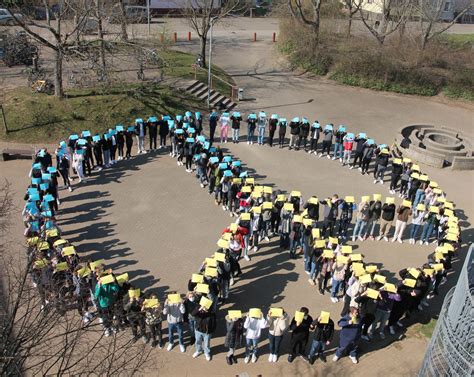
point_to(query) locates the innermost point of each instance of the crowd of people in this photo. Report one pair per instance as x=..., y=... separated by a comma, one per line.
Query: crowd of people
x=316, y=228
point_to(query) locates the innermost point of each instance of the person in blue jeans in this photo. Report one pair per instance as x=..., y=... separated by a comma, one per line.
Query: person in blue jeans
x=322, y=336
x=253, y=327
x=261, y=123
x=361, y=221
x=295, y=237
x=205, y=326
x=338, y=140
x=174, y=314
x=431, y=223
x=251, y=125
x=349, y=336
x=276, y=328
x=338, y=275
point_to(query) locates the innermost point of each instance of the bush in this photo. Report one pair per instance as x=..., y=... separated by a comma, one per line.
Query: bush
x=461, y=85
x=76, y=116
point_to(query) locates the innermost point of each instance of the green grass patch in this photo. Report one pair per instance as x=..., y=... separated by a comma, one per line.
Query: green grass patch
x=457, y=40
x=180, y=66
x=34, y=118
x=423, y=329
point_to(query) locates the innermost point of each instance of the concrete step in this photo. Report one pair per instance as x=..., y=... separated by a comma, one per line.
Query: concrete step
x=193, y=84
x=204, y=95
x=198, y=88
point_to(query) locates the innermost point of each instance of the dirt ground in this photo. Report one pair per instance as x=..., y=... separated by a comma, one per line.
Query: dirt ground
x=150, y=218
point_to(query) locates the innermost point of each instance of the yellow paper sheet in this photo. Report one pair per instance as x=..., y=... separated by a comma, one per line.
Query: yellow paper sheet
x=333, y=240
x=406, y=203
x=365, y=279
x=205, y=302
x=389, y=200
x=276, y=312
x=349, y=199
x=434, y=184
x=233, y=227
x=174, y=298
x=420, y=207
x=134, y=293
x=406, y=160
x=250, y=181
x=151, y=303
x=122, y=278
x=107, y=279
x=235, y=314
x=220, y=257
x=255, y=313
x=372, y=293
x=246, y=189
x=313, y=200
x=245, y=216
x=324, y=317
x=377, y=197
x=202, y=288
x=397, y=161
x=414, y=272
x=211, y=262
x=365, y=198
x=288, y=207
x=316, y=232
x=342, y=259
x=307, y=222
x=63, y=266
x=68, y=250
x=346, y=249
x=267, y=205
x=437, y=266
x=267, y=190
x=434, y=209
x=210, y=271
x=428, y=271
x=328, y=253
x=415, y=167
x=356, y=257
x=380, y=279
x=295, y=193
x=371, y=268
x=58, y=242
x=95, y=264
x=299, y=316
x=257, y=210
x=281, y=198
x=415, y=175
x=84, y=271
x=390, y=288
x=409, y=282
x=197, y=278
x=226, y=237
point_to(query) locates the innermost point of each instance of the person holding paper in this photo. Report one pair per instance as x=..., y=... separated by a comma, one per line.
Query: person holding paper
x=281, y=131
x=349, y=336
x=299, y=328
x=327, y=141
x=339, y=136
x=105, y=296
x=261, y=123
x=132, y=306
x=375, y=210
x=233, y=337
x=254, y=324
x=338, y=275
x=272, y=126
x=431, y=222
x=416, y=223
x=277, y=320
x=382, y=313
x=323, y=331
x=224, y=124
x=191, y=302
x=348, y=143
x=397, y=169
x=345, y=219
x=361, y=220
x=128, y=143
x=63, y=167
x=153, y=322
x=360, y=140
x=295, y=237
x=205, y=326
x=388, y=214
x=304, y=133
x=174, y=311
x=367, y=307
x=141, y=132
x=236, y=119
x=325, y=274
x=404, y=213
x=294, y=132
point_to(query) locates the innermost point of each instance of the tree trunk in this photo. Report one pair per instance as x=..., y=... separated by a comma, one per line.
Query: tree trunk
x=100, y=32
x=349, y=24
x=123, y=21
x=58, y=74
x=203, y=45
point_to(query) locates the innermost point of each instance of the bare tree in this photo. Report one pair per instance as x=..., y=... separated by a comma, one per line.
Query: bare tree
x=352, y=7
x=393, y=13
x=60, y=37
x=430, y=13
x=309, y=13
x=201, y=14
x=123, y=21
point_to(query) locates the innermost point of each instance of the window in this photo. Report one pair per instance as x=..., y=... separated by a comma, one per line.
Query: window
x=447, y=6
x=3, y=13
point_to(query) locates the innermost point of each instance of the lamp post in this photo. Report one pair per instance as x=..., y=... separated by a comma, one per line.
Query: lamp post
x=209, y=77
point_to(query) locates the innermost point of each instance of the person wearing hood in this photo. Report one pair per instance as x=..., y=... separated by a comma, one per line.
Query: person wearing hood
x=141, y=133
x=359, y=141
x=299, y=328
x=327, y=141
x=213, y=118
x=261, y=124
x=382, y=163
x=152, y=131
x=367, y=154
x=305, y=127
x=349, y=336
x=338, y=141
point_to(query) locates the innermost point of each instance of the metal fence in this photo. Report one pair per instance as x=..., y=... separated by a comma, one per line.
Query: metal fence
x=451, y=349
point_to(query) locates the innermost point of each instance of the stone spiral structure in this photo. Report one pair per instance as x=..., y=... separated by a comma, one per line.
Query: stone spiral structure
x=437, y=146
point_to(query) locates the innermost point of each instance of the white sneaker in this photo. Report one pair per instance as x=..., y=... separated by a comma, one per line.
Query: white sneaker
x=333, y=158
x=320, y=155
x=247, y=359
x=351, y=167
x=400, y=241
x=270, y=358
x=247, y=258
x=328, y=157
x=208, y=357
x=170, y=347
x=340, y=160
x=375, y=181
x=223, y=208
x=353, y=238
x=248, y=142
x=275, y=358
x=386, y=238
x=267, y=239
x=202, y=185
x=196, y=354
x=360, y=169
x=255, y=249
x=421, y=242
x=427, y=243
x=360, y=238
x=182, y=348
x=335, y=358
x=353, y=359
x=381, y=182
x=379, y=238
x=254, y=359
x=394, y=239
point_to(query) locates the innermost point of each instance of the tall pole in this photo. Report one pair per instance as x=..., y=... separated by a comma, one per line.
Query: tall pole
x=209, y=77
x=148, y=15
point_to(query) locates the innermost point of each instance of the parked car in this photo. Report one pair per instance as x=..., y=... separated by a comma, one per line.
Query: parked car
x=6, y=17
x=40, y=14
x=134, y=15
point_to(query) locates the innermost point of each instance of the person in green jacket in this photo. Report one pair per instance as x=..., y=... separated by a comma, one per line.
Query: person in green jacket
x=106, y=295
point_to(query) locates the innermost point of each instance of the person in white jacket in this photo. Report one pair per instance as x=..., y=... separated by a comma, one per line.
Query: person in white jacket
x=253, y=328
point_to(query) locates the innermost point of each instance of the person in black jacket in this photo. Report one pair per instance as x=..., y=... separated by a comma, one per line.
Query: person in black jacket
x=397, y=169
x=322, y=336
x=299, y=335
x=304, y=133
x=281, y=132
x=315, y=133
x=367, y=154
x=163, y=130
x=152, y=132
x=133, y=311
x=295, y=127
x=388, y=214
x=360, y=143
x=382, y=163
x=205, y=326
x=272, y=126
x=347, y=210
